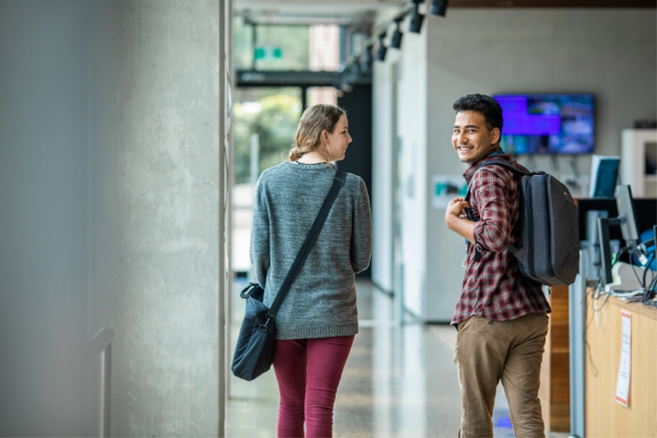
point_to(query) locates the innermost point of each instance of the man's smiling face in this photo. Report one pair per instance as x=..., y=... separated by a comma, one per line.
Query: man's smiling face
x=472, y=137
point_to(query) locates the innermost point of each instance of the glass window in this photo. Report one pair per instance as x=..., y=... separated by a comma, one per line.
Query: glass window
x=265, y=122
x=324, y=45
x=327, y=95
x=286, y=47
x=242, y=44
x=281, y=47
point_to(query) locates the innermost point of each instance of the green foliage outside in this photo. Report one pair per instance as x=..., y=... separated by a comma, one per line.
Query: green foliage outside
x=275, y=123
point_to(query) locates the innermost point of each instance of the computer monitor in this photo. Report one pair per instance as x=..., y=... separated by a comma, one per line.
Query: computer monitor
x=626, y=220
x=605, y=247
x=627, y=217
x=604, y=174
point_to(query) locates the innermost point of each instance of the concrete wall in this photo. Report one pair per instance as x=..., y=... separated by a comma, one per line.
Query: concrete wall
x=383, y=138
x=399, y=147
x=111, y=187
x=412, y=120
x=610, y=53
x=44, y=204
x=154, y=167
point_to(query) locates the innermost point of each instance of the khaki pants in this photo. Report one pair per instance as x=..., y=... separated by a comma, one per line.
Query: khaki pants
x=511, y=351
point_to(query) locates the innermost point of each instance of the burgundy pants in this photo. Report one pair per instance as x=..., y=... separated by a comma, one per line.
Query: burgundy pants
x=308, y=372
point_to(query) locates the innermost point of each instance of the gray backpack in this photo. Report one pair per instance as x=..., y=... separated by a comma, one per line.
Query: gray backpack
x=547, y=248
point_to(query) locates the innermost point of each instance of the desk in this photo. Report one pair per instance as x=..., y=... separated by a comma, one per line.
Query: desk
x=555, y=378
x=604, y=416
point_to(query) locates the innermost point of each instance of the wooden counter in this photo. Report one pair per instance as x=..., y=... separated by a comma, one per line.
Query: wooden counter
x=555, y=378
x=604, y=416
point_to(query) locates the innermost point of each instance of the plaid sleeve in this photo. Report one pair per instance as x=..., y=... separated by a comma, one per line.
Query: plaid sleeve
x=493, y=231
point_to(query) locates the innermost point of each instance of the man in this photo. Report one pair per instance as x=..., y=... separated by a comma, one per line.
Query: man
x=501, y=316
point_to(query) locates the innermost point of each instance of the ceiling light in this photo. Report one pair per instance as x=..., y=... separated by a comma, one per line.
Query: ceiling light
x=366, y=60
x=439, y=7
x=416, y=18
x=381, y=53
x=397, y=35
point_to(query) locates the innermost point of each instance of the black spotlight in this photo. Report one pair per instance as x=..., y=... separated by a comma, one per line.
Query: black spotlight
x=397, y=35
x=381, y=53
x=439, y=7
x=416, y=18
x=366, y=60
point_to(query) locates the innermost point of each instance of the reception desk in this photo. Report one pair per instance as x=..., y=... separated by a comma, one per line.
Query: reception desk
x=555, y=377
x=603, y=337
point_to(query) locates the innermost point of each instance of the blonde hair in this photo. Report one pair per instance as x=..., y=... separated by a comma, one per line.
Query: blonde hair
x=314, y=120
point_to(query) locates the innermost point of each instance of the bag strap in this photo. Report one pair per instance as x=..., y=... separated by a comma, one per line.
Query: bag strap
x=503, y=163
x=516, y=171
x=338, y=182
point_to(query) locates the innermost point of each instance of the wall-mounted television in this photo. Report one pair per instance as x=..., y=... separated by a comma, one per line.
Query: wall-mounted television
x=547, y=123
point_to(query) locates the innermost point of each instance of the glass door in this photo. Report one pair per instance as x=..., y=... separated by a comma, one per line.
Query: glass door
x=265, y=122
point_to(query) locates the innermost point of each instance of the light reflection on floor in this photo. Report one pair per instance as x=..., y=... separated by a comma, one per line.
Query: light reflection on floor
x=400, y=382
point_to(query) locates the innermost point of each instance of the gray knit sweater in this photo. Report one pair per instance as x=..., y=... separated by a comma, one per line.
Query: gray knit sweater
x=322, y=299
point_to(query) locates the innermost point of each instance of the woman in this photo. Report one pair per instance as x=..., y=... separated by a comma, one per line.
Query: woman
x=318, y=319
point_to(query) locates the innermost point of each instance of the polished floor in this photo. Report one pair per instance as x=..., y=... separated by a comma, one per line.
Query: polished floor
x=400, y=381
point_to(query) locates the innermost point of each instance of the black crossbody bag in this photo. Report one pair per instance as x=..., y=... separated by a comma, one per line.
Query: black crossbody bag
x=254, y=351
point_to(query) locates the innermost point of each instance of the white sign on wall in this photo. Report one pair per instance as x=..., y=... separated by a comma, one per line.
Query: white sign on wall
x=445, y=188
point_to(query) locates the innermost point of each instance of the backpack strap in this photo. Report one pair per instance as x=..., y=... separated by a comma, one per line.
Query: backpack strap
x=518, y=171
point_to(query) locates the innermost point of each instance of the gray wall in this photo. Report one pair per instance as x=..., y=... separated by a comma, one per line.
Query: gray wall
x=383, y=173
x=44, y=205
x=607, y=52
x=384, y=134
x=399, y=150
x=111, y=186
x=413, y=120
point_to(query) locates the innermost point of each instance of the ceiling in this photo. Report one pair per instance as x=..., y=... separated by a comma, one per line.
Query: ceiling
x=352, y=11
x=309, y=11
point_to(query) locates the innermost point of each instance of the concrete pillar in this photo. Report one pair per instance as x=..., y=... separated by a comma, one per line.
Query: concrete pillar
x=111, y=217
x=155, y=217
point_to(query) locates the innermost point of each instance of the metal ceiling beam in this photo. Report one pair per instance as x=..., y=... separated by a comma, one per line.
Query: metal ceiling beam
x=286, y=78
x=552, y=4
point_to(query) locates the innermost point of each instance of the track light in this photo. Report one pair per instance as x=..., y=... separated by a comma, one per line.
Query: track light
x=416, y=18
x=381, y=53
x=439, y=7
x=397, y=35
x=348, y=78
x=352, y=73
x=366, y=60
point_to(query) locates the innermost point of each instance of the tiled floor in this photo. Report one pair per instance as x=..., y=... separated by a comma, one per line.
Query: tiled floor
x=400, y=381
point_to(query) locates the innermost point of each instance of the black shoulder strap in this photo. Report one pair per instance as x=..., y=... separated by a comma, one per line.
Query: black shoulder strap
x=521, y=171
x=503, y=163
x=338, y=182
x=517, y=170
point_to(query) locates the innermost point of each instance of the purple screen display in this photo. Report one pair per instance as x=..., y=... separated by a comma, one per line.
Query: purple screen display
x=547, y=123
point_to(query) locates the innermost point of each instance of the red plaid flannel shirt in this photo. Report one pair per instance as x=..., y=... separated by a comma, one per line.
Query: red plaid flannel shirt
x=493, y=287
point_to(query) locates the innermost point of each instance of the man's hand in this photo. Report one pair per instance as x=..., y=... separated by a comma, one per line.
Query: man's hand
x=456, y=220
x=456, y=207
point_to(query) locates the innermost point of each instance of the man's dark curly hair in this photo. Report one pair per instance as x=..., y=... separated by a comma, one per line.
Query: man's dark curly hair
x=486, y=105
